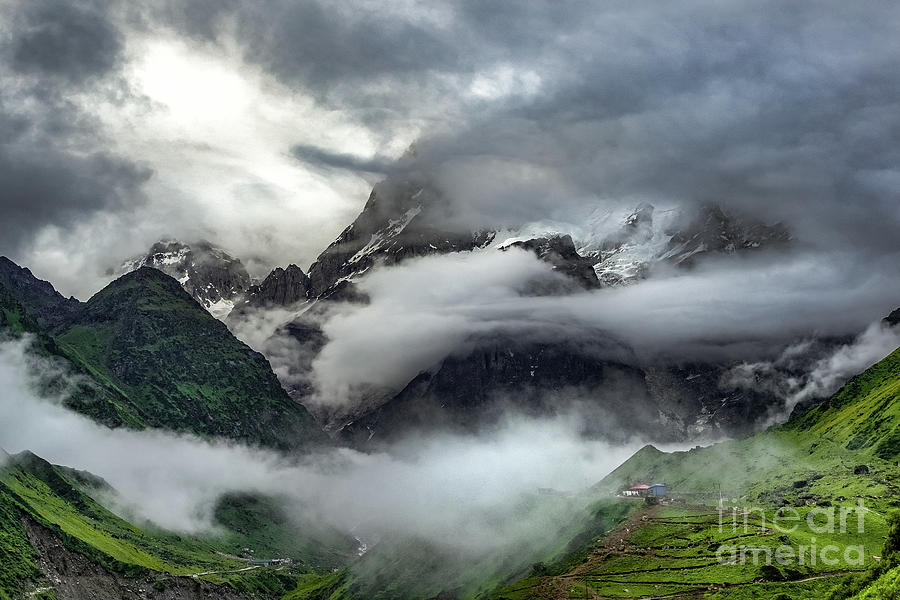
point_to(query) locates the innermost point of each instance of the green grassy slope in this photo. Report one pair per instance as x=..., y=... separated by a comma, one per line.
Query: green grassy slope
x=863, y=416
x=152, y=357
x=842, y=451
x=31, y=488
x=265, y=525
x=18, y=561
x=144, y=336
x=83, y=393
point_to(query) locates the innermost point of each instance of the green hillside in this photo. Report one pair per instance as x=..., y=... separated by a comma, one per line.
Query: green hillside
x=45, y=305
x=153, y=357
x=39, y=500
x=94, y=398
x=145, y=337
x=863, y=416
x=830, y=458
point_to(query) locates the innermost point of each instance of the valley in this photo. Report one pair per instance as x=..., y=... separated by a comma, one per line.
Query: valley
x=150, y=352
x=721, y=503
x=449, y=300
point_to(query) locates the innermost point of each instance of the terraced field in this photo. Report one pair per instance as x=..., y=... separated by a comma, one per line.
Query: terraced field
x=680, y=552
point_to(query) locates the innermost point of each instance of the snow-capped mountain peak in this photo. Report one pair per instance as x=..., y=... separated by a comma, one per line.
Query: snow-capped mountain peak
x=625, y=244
x=213, y=277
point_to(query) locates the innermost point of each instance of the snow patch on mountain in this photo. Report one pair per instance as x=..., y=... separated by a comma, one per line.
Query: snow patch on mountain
x=208, y=273
x=381, y=237
x=626, y=244
x=622, y=243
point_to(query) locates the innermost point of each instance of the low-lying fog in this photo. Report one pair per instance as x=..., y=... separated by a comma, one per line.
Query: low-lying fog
x=449, y=489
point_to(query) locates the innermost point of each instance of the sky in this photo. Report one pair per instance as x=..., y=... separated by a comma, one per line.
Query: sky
x=262, y=126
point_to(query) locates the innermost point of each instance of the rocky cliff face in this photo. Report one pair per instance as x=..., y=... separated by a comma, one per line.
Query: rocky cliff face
x=282, y=287
x=614, y=396
x=392, y=226
x=472, y=388
x=50, y=308
x=560, y=252
x=210, y=275
x=711, y=230
x=893, y=319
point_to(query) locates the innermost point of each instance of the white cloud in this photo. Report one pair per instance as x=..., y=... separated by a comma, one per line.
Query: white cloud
x=729, y=309
x=830, y=373
x=460, y=492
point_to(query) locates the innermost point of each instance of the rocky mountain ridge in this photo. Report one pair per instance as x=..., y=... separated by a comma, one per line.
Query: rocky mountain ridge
x=401, y=220
x=625, y=246
x=145, y=354
x=50, y=308
x=215, y=279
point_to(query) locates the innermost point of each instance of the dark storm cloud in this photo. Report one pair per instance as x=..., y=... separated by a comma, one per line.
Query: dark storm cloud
x=320, y=158
x=785, y=110
x=43, y=186
x=54, y=164
x=72, y=40
x=321, y=43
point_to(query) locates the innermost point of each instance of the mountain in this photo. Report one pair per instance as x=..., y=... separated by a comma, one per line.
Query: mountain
x=614, y=394
x=180, y=367
x=473, y=392
x=403, y=219
x=45, y=304
x=149, y=356
x=282, y=287
x=210, y=275
x=58, y=541
x=625, y=246
x=724, y=497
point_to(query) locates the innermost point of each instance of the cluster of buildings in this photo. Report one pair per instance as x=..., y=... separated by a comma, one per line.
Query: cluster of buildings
x=641, y=490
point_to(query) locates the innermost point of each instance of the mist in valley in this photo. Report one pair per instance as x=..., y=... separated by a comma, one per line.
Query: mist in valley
x=466, y=497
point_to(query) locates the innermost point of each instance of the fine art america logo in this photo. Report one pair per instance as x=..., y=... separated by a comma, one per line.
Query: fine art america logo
x=829, y=522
